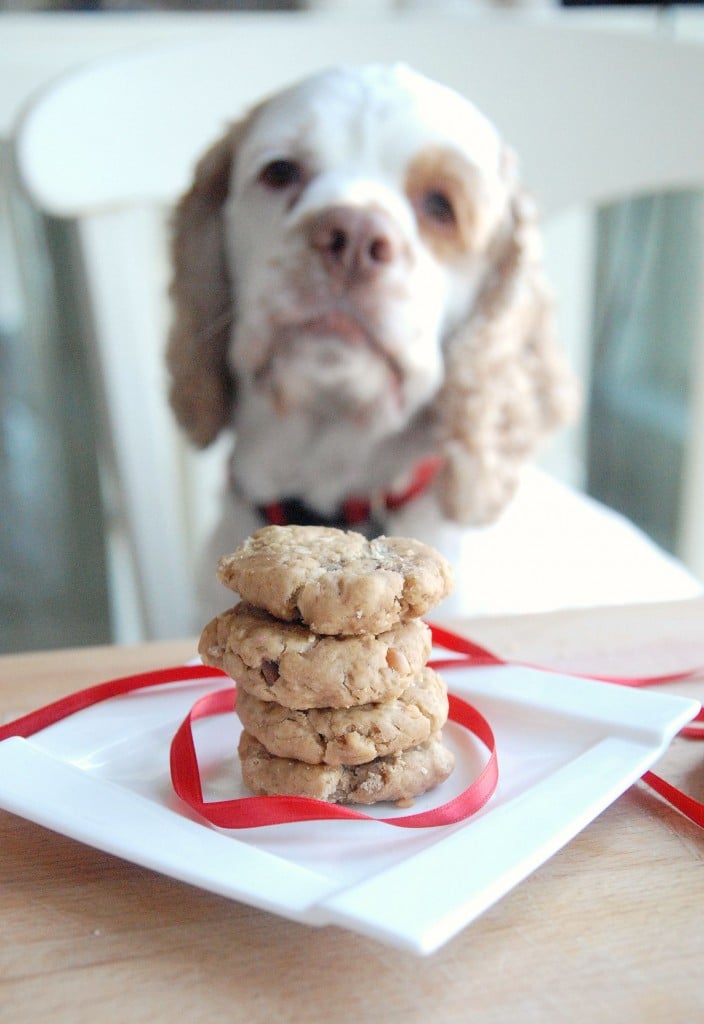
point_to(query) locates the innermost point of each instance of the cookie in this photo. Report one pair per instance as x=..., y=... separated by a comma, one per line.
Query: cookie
x=349, y=736
x=398, y=777
x=289, y=664
x=336, y=582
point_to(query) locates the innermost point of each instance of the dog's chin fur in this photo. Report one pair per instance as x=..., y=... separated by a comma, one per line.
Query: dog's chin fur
x=325, y=459
x=330, y=375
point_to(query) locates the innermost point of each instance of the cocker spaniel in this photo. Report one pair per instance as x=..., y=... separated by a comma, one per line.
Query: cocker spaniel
x=359, y=294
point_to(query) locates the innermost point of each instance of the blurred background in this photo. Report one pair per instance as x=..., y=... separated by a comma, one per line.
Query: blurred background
x=630, y=285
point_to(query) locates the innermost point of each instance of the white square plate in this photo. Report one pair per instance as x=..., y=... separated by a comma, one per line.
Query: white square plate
x=567, y=748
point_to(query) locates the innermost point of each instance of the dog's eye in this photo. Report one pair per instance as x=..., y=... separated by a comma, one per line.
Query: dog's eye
x=437, y=207
x=281, y=174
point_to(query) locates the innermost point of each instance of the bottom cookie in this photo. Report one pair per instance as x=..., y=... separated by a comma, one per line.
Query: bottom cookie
x=398, y=777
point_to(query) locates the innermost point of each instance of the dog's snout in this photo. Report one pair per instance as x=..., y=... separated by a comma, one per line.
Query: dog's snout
x=355, y=244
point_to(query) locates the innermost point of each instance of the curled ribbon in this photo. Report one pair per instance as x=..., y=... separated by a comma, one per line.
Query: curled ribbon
x=474, y=654
x=248, y=812
x=255, y=811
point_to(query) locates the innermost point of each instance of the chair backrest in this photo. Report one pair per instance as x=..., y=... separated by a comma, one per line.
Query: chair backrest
x=593, y=116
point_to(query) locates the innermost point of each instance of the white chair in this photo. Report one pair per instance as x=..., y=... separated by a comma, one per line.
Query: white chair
x=593, y=115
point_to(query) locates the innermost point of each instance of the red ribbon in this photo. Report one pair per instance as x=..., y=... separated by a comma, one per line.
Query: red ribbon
x=37, y=720
x=255, y=811
x=249, y=812
x=474, y=654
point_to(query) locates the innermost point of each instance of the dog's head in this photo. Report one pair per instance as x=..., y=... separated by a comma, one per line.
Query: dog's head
x=359, y=249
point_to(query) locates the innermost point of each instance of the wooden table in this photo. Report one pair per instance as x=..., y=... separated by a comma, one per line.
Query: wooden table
x=610, y=929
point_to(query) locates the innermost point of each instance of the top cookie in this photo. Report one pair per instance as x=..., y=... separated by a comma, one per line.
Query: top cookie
x=336, y=582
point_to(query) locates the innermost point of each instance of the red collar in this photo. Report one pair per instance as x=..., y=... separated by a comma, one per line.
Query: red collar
x=355, y=510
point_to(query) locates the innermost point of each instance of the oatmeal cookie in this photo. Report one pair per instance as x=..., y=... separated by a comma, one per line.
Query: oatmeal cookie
x=289, y=664
x=398, y=777
x=334, y=581
x=349, y=736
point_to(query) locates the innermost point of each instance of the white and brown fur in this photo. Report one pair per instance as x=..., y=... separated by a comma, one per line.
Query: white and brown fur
x=358, y=285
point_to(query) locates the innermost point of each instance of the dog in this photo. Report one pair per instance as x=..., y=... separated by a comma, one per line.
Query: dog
x=359, y=295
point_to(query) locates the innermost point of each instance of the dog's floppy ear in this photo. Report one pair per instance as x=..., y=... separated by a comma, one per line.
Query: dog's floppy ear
x=507, y=384
x=202, y=388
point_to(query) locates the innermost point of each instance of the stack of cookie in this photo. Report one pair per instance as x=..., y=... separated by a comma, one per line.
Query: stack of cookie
x=329, y=654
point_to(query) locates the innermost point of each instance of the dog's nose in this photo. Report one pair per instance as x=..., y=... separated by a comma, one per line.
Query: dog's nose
x=355, y=244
